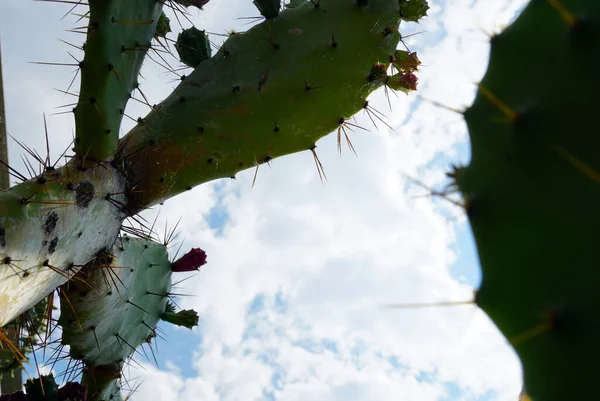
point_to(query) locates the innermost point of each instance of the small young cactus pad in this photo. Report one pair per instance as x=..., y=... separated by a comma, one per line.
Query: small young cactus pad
x=274, y=90
x=193, y=47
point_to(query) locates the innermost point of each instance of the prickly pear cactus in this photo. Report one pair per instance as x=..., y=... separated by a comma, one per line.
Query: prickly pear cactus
x=532, y=190
x=273, y=90
x=193, y=47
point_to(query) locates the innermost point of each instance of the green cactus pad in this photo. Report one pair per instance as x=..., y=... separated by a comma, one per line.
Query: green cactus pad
x=117, y=309
x=193, y=47
x=50, y=227
x=413, y=10
x=271, y=91
x=119, y=36
x=532, y=191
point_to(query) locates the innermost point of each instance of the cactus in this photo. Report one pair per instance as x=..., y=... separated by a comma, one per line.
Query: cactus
x=271, y=91
x=531, y=190
x=107, y=317
x=193, y=47
x=274, y=90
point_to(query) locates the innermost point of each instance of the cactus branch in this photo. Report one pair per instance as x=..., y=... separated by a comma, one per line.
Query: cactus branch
x=118, y=38
x=219, y=120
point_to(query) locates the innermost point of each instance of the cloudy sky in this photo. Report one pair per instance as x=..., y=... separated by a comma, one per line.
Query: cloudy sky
x=294, y=300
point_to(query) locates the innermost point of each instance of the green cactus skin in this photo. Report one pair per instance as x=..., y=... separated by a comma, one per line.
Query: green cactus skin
x=118, y=38
x=50, y=227
x=273, y=90
x=532, y=191
x=193, y=47
x=105, y=320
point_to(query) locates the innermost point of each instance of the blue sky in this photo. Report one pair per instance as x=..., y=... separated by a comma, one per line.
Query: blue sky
x=293, y=299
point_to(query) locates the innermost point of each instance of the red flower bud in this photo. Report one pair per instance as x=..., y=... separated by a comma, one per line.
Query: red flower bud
x=190, y=261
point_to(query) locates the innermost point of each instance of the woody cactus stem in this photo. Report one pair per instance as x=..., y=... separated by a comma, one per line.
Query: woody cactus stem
x=532, y=190
x=118, y=37
x=273, y=90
